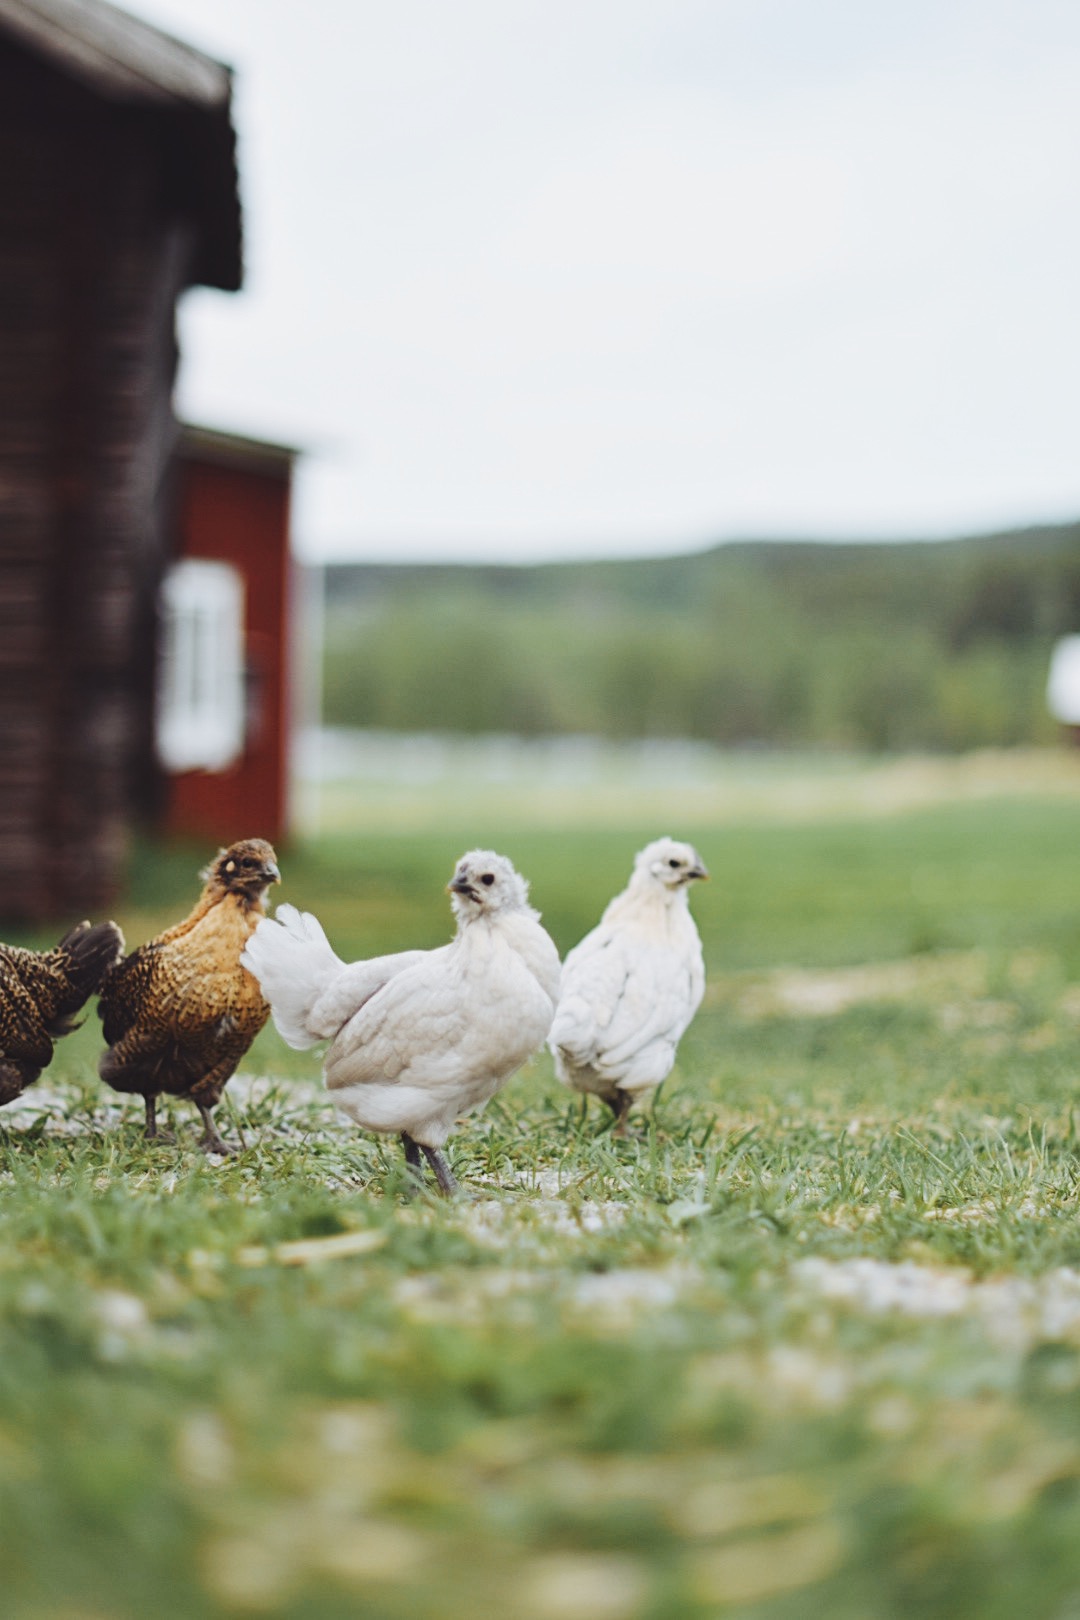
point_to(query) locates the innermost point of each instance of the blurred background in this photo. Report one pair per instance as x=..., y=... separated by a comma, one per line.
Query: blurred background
x=645, y=389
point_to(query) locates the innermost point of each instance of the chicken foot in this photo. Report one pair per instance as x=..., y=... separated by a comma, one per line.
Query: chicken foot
x=212, y=1141
x=620, y=1106
x=443, y=1174
x=152, y=1132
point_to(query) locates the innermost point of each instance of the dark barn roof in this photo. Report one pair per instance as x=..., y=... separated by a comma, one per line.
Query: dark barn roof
x=217, y=449
x=125, y=61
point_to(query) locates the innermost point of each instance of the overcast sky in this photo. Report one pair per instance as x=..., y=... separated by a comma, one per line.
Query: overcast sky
x=585, y=277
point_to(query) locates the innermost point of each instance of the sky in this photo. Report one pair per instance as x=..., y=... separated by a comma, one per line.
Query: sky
x=534, y=279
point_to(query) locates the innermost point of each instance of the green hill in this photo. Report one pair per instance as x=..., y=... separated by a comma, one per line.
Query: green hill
x=909, y=645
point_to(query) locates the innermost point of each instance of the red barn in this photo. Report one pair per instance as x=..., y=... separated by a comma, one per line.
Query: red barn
x=224, y=705
x=144, y=574
x=118, y=190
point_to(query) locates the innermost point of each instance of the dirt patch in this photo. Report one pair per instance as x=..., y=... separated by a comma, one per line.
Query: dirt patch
x=812, y=993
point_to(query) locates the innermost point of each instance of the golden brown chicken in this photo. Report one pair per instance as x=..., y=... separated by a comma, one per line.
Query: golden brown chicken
x=40, y=993
x=180, y=1012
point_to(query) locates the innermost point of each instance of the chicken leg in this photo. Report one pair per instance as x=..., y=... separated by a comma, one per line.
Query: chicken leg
x=443, y=1174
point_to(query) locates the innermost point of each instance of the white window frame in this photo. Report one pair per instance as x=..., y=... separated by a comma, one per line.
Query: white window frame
x=200, y=699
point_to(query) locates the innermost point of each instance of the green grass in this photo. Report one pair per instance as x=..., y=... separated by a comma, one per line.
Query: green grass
x=808, y=1346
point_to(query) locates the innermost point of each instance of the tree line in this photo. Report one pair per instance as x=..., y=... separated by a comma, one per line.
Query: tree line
x=932, y=645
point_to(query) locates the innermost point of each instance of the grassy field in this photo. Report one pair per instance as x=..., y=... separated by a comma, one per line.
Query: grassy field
x=808, y=1346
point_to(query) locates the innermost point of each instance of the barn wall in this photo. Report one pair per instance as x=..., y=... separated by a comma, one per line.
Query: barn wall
x=90, y=269
x=239, y=514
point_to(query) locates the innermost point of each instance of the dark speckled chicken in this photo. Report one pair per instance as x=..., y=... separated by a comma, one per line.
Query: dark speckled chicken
x=180, y=1012
x=40, y=993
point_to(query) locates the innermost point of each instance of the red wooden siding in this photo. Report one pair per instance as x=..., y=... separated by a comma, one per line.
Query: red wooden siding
x=233, y=501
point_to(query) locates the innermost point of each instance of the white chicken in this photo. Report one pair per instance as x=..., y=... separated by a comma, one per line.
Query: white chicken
x=632, y=985
x=420, y=1037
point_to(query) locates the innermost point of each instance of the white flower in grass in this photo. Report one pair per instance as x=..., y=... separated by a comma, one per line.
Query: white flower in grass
x=123, y=1324
x=582, y=1586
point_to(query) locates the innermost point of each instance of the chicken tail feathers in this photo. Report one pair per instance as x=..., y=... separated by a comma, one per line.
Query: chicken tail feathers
x=86, y=955
x=573, y=1032
x=292, y=959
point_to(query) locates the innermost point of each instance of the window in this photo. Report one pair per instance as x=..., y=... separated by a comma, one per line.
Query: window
x=200, y=710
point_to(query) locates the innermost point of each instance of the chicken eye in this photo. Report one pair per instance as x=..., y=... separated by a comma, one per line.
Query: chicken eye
x=674, y=863
x=488, y=879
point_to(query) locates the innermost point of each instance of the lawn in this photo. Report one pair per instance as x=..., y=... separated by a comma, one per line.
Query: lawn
x=808, y=1345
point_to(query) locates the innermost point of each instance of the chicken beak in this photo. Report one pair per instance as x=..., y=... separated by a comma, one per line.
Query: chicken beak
x=271, y=873
x=461, y=886
x=699, y=871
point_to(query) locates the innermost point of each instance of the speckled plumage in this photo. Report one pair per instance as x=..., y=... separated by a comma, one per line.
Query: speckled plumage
x=179, y=1012
x=40, y=993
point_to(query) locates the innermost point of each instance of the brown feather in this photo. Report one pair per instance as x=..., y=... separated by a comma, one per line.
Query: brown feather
x=179, y=1013
x=40, y=994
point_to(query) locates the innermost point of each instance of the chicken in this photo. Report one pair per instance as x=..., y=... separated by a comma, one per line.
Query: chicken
x=632, y=985
x=40, y=993
x=420, y=1037
x=179, y=1013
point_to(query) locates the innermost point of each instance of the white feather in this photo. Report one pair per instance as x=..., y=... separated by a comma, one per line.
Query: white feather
x=632, y=985
x=291, y=957
x=421, y=1037
x=311, y=991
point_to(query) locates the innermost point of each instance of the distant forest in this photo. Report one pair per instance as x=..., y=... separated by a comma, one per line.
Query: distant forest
x=930, y=645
